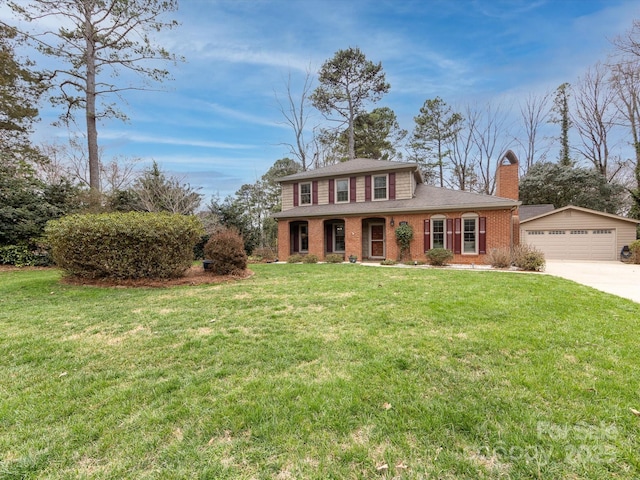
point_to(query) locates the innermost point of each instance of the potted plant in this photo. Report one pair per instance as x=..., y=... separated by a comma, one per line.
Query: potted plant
x=352, y=258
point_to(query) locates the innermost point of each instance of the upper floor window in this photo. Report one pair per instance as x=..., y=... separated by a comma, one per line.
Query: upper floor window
x=380, y=187
x=305, y=193
x=342, y=190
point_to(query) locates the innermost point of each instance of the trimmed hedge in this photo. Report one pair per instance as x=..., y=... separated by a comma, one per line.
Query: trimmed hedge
x=124, y=245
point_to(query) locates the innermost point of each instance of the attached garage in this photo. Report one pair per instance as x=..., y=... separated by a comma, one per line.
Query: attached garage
x=575, y=233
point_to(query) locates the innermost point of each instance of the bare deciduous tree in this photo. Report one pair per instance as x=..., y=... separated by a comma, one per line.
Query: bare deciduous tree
x=594, y=117
x=296, y=115
x=491, y=138
x=463, y=175
x=534, y=113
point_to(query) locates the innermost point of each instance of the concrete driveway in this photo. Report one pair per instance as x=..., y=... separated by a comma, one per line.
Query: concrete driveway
x=622, y=279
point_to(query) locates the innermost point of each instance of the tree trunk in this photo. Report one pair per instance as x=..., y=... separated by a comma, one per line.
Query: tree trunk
x=92, y=130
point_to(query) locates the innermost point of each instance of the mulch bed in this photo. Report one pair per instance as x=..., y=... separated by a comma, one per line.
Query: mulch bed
x=194, y=276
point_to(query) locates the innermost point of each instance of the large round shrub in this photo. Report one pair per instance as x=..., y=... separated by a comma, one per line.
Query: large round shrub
x=124, y=245
x=225, y=249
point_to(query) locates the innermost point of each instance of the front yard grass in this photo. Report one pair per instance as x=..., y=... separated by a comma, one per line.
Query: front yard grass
x=318, y=372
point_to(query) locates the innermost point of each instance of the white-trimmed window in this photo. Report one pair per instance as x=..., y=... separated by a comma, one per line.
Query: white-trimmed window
x=342, y=190
x=380, y=191
x=338, y=237
x=305, y=193
x=470, y=234
x=438, y=232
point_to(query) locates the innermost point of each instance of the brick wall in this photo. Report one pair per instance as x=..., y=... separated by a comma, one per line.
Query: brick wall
x=501, y=230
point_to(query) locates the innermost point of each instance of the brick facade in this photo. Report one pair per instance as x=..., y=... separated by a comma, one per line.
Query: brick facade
x=501, y=227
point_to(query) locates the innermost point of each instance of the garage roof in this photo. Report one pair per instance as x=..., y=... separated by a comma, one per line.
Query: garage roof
x=579, y=209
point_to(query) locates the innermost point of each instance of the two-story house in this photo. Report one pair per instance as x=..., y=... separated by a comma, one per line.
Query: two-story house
x=353, y=208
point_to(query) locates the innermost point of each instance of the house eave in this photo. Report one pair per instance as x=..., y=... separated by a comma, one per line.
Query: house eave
x=299, y=212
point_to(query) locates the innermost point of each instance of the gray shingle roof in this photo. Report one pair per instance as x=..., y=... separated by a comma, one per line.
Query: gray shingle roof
x=427, y=199
x=352, y=167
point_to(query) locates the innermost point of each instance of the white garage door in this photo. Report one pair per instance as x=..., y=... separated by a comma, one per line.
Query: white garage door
x=574, y=244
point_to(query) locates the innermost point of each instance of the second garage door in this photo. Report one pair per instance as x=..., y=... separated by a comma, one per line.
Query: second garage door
x=574, y=244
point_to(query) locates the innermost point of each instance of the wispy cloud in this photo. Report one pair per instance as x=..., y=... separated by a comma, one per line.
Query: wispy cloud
x=150, y=139
x=242, y=115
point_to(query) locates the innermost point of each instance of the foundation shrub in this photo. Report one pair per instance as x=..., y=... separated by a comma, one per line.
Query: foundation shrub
x=310, y=258
x=388, y=261
x=124, y=245
x=439, y=257
x=264, y=255
x=295, y=258
x=499, y=257
x=226, y=251
x=528, y=258
x=334, y=258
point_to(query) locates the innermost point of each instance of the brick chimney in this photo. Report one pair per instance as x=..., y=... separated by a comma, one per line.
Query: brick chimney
x=507, y=176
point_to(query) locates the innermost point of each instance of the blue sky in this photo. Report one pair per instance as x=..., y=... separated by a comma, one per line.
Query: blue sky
x=217, y=124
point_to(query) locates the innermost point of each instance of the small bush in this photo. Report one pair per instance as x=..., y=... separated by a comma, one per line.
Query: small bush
x=24, y=256
x=124, y=245
x=310, y=259
x=388, y=262
x=264, y=254
x=439, y=257
x=295, y=258
x=499, y=257
x=225, y=249
x=528, y=258
x=635, y=251
x=334, y=258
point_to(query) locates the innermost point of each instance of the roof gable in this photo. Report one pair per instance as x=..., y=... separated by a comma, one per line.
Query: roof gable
x=580, y=209
x=354, y=167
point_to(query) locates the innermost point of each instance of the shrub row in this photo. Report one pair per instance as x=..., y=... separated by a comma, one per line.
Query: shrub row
x=124, y=245
x=524, y=257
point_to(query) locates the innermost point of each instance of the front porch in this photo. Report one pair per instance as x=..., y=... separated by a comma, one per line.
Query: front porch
x=366, y=238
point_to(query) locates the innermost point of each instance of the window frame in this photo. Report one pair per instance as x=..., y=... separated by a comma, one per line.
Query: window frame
x=300, y=194
x=443, y=219
x=337, y=190
x=335, y=237
x=386, y=187
x=476, y=233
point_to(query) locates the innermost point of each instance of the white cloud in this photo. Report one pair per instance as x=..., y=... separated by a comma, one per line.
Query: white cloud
x=161, y=140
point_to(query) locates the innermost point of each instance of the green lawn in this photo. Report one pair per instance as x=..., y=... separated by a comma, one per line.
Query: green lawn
x=318, y=372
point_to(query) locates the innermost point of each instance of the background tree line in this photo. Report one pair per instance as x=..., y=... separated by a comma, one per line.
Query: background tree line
x=592, y=124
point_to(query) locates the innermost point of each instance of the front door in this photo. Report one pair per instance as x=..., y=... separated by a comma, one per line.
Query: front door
x=377, y=240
